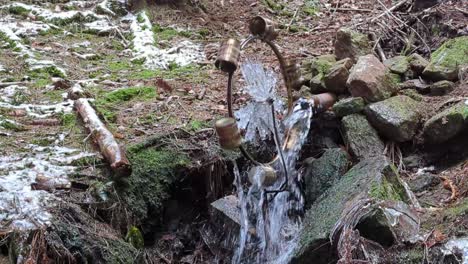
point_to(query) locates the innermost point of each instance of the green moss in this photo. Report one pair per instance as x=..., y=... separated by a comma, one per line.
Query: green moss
x=311, y=8
x=68, y=120
x=135, y=237
x=452, y=53
x=204, y=32
x=7, y=124
x=389, y=187
x=196, y=125
x=119, y=65
x=43, y=142
x=10, y=43
x=153, y=174
x=18, y=10
x=45, y=72
x=461, y=209
x=273, y=5
x=168, y=33
x=54, y=95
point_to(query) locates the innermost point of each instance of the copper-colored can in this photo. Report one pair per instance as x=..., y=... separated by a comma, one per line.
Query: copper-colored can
x=263, y=27
x=228, y=133
x=293, y=74
x=228, y=56
x=323, y=101
x=262, y=175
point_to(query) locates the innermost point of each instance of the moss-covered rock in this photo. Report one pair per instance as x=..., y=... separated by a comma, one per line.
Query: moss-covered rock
x=361, y=138
x=412, y=94
x=447, y=123
x=357, y=183
x=351, y=44
x=442, y=87
x=154, y=174
x=398, y=64
x=335, y=80
x=396, y=118
x=417, y=63
x=348, y=106
x=447, y=59
x=322, y=173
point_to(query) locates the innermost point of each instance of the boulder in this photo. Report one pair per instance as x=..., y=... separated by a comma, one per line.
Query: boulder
x=396, y=118
x=370, y=178
x=398, y=64
x=335, y=80
x=370, y=80
x=412, y=94
x=319, y=67
x=447, y=123
x=320, y=174
x=417, y=63
x=446, y=60
x=349, y=106
x=360, y=137
x=423, y=181
x=441, y=87
x=351, y=44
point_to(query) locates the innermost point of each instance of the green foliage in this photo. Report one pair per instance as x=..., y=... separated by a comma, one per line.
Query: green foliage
x=18, y=10
x=135, y=237
x=273, y=5
x=196, y=125
x=7, y=124
x=10, y=42
x=46, y=72
x=68, y=120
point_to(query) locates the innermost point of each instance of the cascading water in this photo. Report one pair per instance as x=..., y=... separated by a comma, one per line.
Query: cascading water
x=270, y=223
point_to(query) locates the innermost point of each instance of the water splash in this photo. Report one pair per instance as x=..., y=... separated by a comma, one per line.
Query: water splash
x=271, y=223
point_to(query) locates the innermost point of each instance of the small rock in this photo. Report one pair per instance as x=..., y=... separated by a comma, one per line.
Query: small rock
x=320, y=174
x=61, y=84
x=447, y=59
x=417, y=63
x=446, y=124
x=351, y=44
x=413, y=161
x=370, y=80
x=335, y=80
x=398, y=64
x=417, y=84
x=317, y=85
x=442, y=87
x=423, y=181
x=412, y=94
x=349, y=106
x=229, y=206
x=361, y=138
x=397, y=118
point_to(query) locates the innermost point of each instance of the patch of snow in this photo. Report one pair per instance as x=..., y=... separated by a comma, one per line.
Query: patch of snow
x=100, y=26
x=457, y=245
x=42, y=111
x=21, y=206
x=466, y=102
x=183, y=53
x=25, y=28
x=2, y=69
x=104, y=8
x=7, y=94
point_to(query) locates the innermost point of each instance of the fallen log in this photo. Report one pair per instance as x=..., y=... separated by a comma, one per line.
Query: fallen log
x=45, y=122
x=108, y=146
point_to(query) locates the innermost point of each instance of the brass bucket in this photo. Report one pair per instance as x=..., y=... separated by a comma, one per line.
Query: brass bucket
x=228, y=56
x=262, y=175
x=263, y=27
x=228, y=133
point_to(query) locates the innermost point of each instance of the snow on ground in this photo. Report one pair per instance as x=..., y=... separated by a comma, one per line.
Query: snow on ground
x=21, y=207
x=144, y=46
x=42, y=111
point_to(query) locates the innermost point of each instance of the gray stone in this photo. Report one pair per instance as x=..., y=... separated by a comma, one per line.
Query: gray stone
x=351, y=44
x=229, y=206
x=423, y=181
x=349, y=106
x=370, y=80
x=447, y=123
x=360, y=137
x=374, y=178
x=417, y=63
x=320, y=174
x=398, y=64
x=417, y=84
x=412, y=94
x=442, y=87
x=396, y=118
x=446, y=60
x=335, y=80
x=317, y=85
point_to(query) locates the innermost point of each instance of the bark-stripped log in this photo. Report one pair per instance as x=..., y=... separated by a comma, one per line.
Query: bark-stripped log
x=106, y=141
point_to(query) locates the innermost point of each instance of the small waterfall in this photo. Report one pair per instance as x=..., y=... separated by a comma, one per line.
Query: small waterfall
x=271, y=223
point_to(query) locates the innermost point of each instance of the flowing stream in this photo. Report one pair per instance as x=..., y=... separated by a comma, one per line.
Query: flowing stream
x=270, y=223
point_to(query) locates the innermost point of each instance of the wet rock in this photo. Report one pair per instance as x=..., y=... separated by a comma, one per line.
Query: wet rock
x=442, y=87
x=417, y=84
x=446, y=60
x=370, y=80
x=412, y=94
x=413, y=161
x=417, y=63
x=398, y=64
x=320, y=174
x=335, y=80
x=229, y=206
x=396, y=118
x=361, y=138
x=373, y=177
x=423, y=181
x=351, y=44
x=349, y=106
x=446, y=124
x=317, y=85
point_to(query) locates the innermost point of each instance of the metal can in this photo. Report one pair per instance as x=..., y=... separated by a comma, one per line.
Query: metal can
x=228, y=56
x=262, y=175
x=228, y=133
x=263, y=27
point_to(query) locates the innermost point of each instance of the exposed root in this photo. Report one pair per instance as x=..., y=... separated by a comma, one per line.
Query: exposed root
x=393, y=152
x=448, y=185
